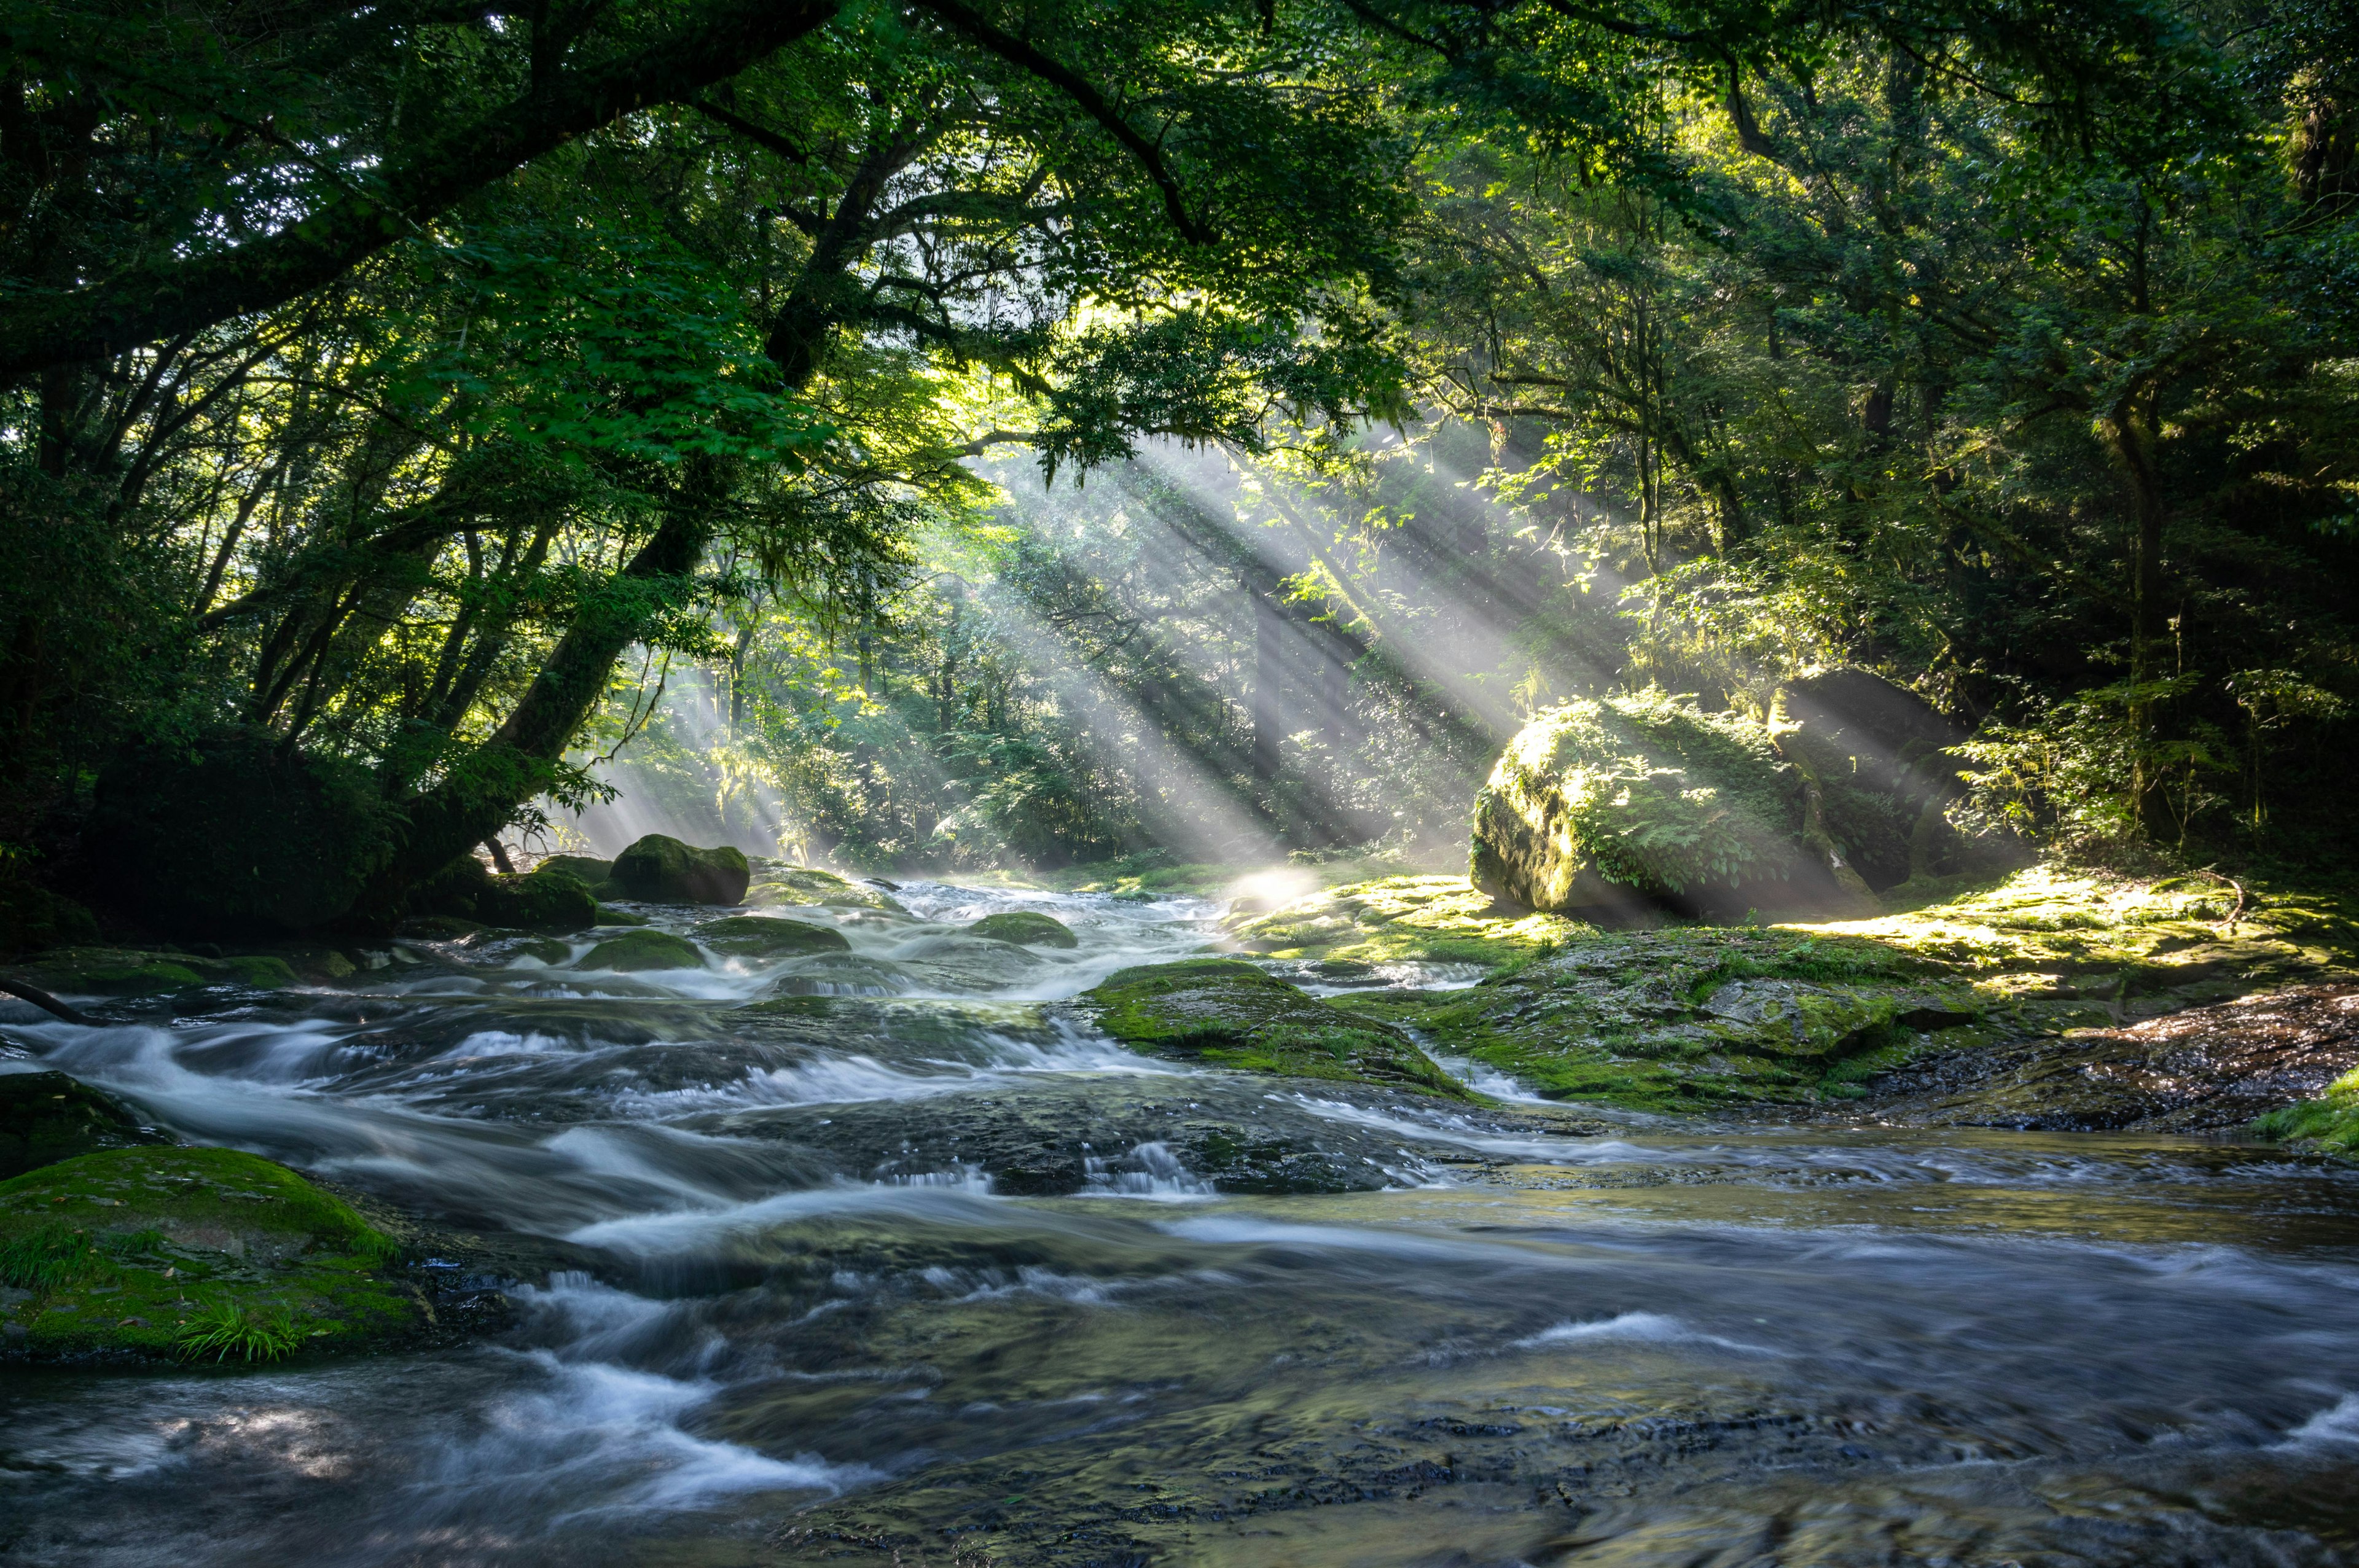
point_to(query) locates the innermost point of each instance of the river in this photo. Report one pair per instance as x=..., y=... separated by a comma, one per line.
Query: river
x=822, y=1310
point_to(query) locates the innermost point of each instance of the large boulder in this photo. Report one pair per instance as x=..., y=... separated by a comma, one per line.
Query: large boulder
x=1025, y=927
x=1605, y=806
x=550, y=900
x=198, y=1254
x=1614, y=807
x=769, y=936
x=659, y=869
x=232, y=834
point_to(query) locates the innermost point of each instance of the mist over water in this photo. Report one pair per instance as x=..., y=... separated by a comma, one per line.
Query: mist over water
x=814, y=1315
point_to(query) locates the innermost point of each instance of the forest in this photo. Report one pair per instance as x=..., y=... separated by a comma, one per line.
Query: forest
x=660, y=658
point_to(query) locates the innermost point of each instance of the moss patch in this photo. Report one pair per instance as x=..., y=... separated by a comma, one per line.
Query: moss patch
x=2329, y=1124
x=1433, y=917
x=769, y=936
x=119, y=971
x=1025, y=927
x=139, y=1252
x=1227, y=1012
x=776, y=884
x=644, y=950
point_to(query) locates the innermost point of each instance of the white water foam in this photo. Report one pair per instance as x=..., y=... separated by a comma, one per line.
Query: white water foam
x=1159, y=1177
x=1639, y=1327
x=2337, y=1425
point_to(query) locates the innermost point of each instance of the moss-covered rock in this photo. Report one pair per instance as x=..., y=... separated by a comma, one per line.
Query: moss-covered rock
x=1024, y=927
x=769, y=936
x=1438, y=918
x=1691, y=1018
x=49, y=1116
x=1228, y=1012
x=776, y=884
x=127, y=972
x=661, y=869
x=552, y=901
x=1606, y=806
x=191, y=1253
x=232, y=834
x=644, y=950
x=589, y=871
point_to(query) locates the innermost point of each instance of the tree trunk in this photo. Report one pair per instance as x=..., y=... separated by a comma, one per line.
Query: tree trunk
x=2130, y=430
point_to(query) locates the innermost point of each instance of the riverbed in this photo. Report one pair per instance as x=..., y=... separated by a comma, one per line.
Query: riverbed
x=879, y=1257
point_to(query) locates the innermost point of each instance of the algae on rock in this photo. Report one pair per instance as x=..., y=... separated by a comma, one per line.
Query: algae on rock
x=644, y=949
x=1229, y=1013
x=769, y=936
x=133, y=1252
x=1024, y=927
x=662, y=869
x=775, y=884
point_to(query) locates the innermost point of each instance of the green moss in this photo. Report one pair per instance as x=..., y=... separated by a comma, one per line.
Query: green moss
x=125, y=1251
x=1025, y=927
x=551, y=901
x=769, y=936
x=1645, y=794
x=1227, y=1012
x=113, y=972
x=1436, y=918
x=775, y=884
x=609, y=916
x=644, y=950
x=662, y=869
x=2329, y=1124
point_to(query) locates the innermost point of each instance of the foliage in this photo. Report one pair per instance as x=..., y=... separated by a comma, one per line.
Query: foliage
x=223, y=1328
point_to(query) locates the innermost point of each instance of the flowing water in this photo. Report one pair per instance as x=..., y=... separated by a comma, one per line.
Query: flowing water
x=824, y=1311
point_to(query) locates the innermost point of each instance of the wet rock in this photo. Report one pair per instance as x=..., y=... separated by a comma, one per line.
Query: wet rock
x=129, y=972
x=1229, y=1013
x=589, y=871
x=2208, y=1069
x=1061, y=1137
x=769, y=936
x=775, y=882
x=1685, y=1019
x=49, y=1116
x=644, y=950
x=552, y=902
x=661, y=869
x=189, y=1252
x=1024, y=927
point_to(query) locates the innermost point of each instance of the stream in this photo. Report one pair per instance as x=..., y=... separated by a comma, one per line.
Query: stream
x=899, y=1268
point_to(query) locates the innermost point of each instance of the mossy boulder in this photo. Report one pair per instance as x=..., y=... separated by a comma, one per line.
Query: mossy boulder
x=776, y=882
x=1432, y=918
x=189, y=1253
x=661, y=869
x=1695, y=1018
x=1024, y=927
x=49, y=1116
x=549, y=902
x=589, y=871
x=1229, y=1013
x=647, y=950
x=127, y=972
x=232, y=834
x=769, y=936
x=1605, y=806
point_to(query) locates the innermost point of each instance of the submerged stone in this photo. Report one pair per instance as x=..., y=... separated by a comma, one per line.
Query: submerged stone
x=193, y=1253
x=769, y=936
x=644, y=950
x=1228, y=1012
x=661, y=870
x=1025, y=928
x=49, y=1116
